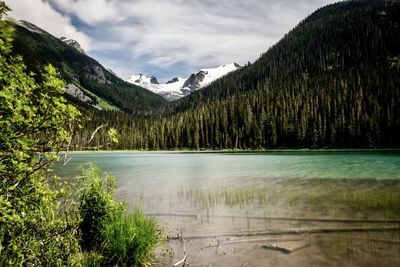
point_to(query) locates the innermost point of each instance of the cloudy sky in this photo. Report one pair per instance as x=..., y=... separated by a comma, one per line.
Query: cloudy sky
x=167, y=38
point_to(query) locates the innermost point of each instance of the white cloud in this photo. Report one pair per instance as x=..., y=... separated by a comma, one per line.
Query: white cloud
x=161, y=34
x=46, y=17
x=91, y=11
x=215, y=32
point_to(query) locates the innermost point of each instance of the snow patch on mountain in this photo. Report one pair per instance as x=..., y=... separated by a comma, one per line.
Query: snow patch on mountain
x=172, y=90
x=180, y=87
x=72, y=43
x=143, y=79
x=216, y=73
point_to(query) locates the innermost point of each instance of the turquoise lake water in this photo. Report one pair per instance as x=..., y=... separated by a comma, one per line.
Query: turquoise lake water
x=212, y=193
x=240, y=167
x=159, y=173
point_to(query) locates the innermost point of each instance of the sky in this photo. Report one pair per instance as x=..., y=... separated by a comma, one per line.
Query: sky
x=167, y=38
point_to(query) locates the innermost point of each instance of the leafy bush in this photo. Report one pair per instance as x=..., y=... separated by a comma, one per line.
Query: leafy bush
x=96, y=206
x=35, y=121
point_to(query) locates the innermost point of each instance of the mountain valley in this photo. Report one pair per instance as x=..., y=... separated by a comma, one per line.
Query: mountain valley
x=332, y=81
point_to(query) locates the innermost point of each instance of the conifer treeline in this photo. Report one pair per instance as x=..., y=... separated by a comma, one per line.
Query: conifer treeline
x=333, y=81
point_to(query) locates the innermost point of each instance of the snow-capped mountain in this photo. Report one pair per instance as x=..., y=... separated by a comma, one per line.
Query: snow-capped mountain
x=179, y=87
x=206, y=76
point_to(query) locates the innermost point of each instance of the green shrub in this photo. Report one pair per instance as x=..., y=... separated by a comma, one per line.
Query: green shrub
x=120, y=239
x=96, y=206
x=131, y=239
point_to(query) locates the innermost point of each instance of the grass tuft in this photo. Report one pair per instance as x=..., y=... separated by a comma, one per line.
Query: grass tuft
x=130, y=239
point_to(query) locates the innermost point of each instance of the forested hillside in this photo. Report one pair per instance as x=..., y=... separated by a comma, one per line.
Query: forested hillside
x=333, y=81
x=39, y=48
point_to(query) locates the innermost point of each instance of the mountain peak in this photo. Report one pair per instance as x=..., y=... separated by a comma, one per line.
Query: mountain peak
x=141, y=79
x=72, y=43
x=174, y=80
x=31, y=27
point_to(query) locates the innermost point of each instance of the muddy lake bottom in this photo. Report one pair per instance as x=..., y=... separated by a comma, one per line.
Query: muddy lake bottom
x=294, y=208
x=280, y=243
x=326, y=223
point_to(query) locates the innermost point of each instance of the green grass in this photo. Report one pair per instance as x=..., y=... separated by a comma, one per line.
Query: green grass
x=364, y=203
x=385, y=202
x=228, y=196
x=131, y=239
x=88, y=259
x=104, y=104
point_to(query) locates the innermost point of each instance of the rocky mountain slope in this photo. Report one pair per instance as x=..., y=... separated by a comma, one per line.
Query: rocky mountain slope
x=91, y=83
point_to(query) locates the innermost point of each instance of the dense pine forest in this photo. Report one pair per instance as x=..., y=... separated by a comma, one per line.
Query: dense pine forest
x=333, y=81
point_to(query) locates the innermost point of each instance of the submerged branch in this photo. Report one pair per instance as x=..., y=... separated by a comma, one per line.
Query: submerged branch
x=183, y=260
x=300, y=219
x=298, y=232
x=253, y=240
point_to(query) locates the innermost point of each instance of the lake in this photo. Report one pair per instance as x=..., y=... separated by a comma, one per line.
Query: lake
x=277, y=208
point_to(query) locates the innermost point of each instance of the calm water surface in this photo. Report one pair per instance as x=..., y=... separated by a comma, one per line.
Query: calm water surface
x=145, y=169
x=217, y=185
x=147, y=173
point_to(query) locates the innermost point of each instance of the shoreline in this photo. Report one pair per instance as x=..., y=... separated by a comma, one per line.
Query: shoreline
x=238, y=151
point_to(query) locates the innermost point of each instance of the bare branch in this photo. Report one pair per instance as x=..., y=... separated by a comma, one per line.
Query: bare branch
x=95, y=131
x=183, y=260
